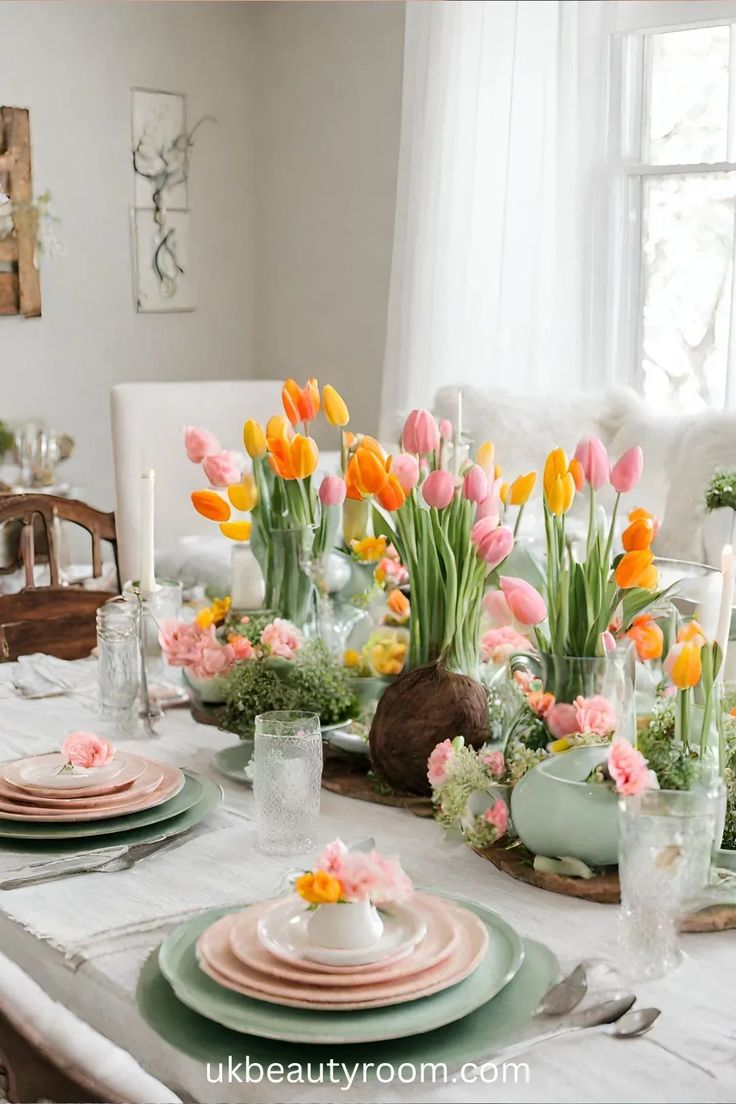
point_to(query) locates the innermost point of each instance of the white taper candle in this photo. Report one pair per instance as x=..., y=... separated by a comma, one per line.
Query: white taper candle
x=147, y=577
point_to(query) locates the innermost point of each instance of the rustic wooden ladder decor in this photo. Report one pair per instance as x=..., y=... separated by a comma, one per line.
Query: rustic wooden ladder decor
x=20, y=290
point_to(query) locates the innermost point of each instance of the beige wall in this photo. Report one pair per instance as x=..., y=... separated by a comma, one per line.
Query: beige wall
x=73, y=65
x=327, y=132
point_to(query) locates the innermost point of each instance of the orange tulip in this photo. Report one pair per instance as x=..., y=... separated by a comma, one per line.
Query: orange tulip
x=560, y=493
x=693, y=633
x=555, y=467
x=352, y=481
x=371, y=475
x=243, y=495
x=280, y=457
x=392, y=495
x=684, y=665
x=647, y=637
x=576, y=471
x=279, y=426
x=638, y=535
x=210, y=505
x=336, y=411
x=521, y=489
x=636, y=569
x=301, y=404
x=399, y=605
x=640, y=514
x=304, y=456
x=236, y=530
x=372, y=445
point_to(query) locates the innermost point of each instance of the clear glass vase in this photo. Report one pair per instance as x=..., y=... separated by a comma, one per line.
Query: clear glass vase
x=292, y=590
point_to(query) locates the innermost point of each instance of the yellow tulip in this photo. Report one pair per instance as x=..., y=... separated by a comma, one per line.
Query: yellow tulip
x=485, y=456
x=236, y=530
x=243, y=495
x=336, y=411
x=555, y=466
x=561, y=493
x=693, y=633
x=504, y=493
x=522, y=488
x=304, y=456
x=254, y=439
x=684, y=665
x=279, y=426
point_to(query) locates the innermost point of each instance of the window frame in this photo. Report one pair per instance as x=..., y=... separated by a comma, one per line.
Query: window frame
x=630, y=61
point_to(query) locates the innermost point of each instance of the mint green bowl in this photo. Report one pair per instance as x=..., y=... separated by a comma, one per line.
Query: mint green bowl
x=558, y=814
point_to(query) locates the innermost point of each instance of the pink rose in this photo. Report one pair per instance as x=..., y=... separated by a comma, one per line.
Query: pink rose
x=495, y=762
x=222, y=468
x=281, y=638
x=628, y=768
x=562, y=720
x=199, y=442
x=406, y=469
x=180, y=642
x=421, y=434
x=332, y=491
x=438, y=489
x=242, y=647
x=525, y=603
x=498, y=816
x=475, y=484
x=496, y=645
x=85, y=749
x=595, y=714
x=438, y=763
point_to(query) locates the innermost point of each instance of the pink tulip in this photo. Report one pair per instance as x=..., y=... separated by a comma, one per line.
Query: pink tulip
x=406, y=469
x=332, y=490
x=199, y=442
x=497, y=608
x=491, y=504
x=609, y=641
x=438, y=489
x=562, y=720
x=222, y=468
x=494, y=545
x=446, y=430
x=525, y=603
x=475, y=484
x=591, y=452
x=421, y=434
x=626, y=472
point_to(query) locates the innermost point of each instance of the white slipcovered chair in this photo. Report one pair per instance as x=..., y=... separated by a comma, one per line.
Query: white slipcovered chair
x=147, y=423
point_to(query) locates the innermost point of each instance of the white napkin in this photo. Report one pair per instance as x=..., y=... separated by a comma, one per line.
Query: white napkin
x=45, y=676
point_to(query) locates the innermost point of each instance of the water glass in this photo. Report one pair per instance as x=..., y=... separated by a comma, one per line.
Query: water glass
x=117, y=645
x=665, y=845
x=163, y=604
x=287, y=772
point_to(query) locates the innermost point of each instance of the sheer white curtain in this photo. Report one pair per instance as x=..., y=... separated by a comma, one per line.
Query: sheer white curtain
x=501, y=144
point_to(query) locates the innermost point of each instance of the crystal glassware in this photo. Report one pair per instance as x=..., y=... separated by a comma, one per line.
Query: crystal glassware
x=118, y=648
x=287, y=772
x=162, y=604
x=665, y=845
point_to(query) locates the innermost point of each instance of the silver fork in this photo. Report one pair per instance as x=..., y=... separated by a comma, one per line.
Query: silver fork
x=122, y=861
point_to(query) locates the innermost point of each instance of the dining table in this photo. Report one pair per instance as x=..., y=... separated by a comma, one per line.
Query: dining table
x=86, y=938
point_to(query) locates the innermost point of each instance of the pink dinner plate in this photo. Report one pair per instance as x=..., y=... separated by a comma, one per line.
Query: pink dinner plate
x=151, y=778
x=218, y=961
x=441, y=939
x=32, y=775
x=171, y=783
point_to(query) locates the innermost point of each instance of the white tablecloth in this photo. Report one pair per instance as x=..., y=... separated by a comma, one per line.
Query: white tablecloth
x=85, y=938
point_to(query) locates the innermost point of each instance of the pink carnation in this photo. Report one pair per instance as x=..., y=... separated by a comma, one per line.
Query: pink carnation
x=498, y=816
x=595, y=714
x=222, y=468
x=628, y=768
x=332, y=857
x=496, y=645
x=85, y=749
x=199, y=442
x=242, y=647
x=495, y=762
x=438, y=763
x=214, y=659
x=562, y=720
x=180, y=642
x=281, y=638
x=365, y=876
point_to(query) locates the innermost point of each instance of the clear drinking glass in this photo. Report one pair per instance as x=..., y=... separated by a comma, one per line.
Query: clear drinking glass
x=665, y=845
x=162, y=605
x=117, y=644
x=287, y=772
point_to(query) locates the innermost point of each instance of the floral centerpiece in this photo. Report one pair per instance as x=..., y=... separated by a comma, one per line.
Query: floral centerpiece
x=343, y=891
x=446, y=529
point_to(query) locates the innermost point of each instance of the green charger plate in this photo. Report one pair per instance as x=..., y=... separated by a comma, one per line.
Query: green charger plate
x=194, y=802
x=474, y=1038
x=232, y=761
x=178, y=962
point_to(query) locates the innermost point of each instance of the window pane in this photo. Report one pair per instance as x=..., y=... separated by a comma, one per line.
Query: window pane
x=688, y=229
x=688, y=97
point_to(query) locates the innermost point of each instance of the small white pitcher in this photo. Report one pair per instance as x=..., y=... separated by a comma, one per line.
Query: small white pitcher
x=351, y=926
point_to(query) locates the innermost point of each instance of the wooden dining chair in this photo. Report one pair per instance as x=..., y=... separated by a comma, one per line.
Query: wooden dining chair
x=55, y=618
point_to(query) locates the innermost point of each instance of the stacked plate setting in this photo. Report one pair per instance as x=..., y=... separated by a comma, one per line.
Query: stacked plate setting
x=257, y=971
x=39, y=800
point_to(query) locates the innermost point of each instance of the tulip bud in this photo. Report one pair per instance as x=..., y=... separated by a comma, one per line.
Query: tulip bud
x=626, y=472
x=438, y=489
x=406, y=469
x=332, y=489
x=475, y=484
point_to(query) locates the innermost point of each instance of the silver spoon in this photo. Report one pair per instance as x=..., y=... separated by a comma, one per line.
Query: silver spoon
x=611, y=1017
x=565, y=995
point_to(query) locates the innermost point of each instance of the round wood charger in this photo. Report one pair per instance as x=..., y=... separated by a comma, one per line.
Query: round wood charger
x=603, y=888
x=347, y=775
